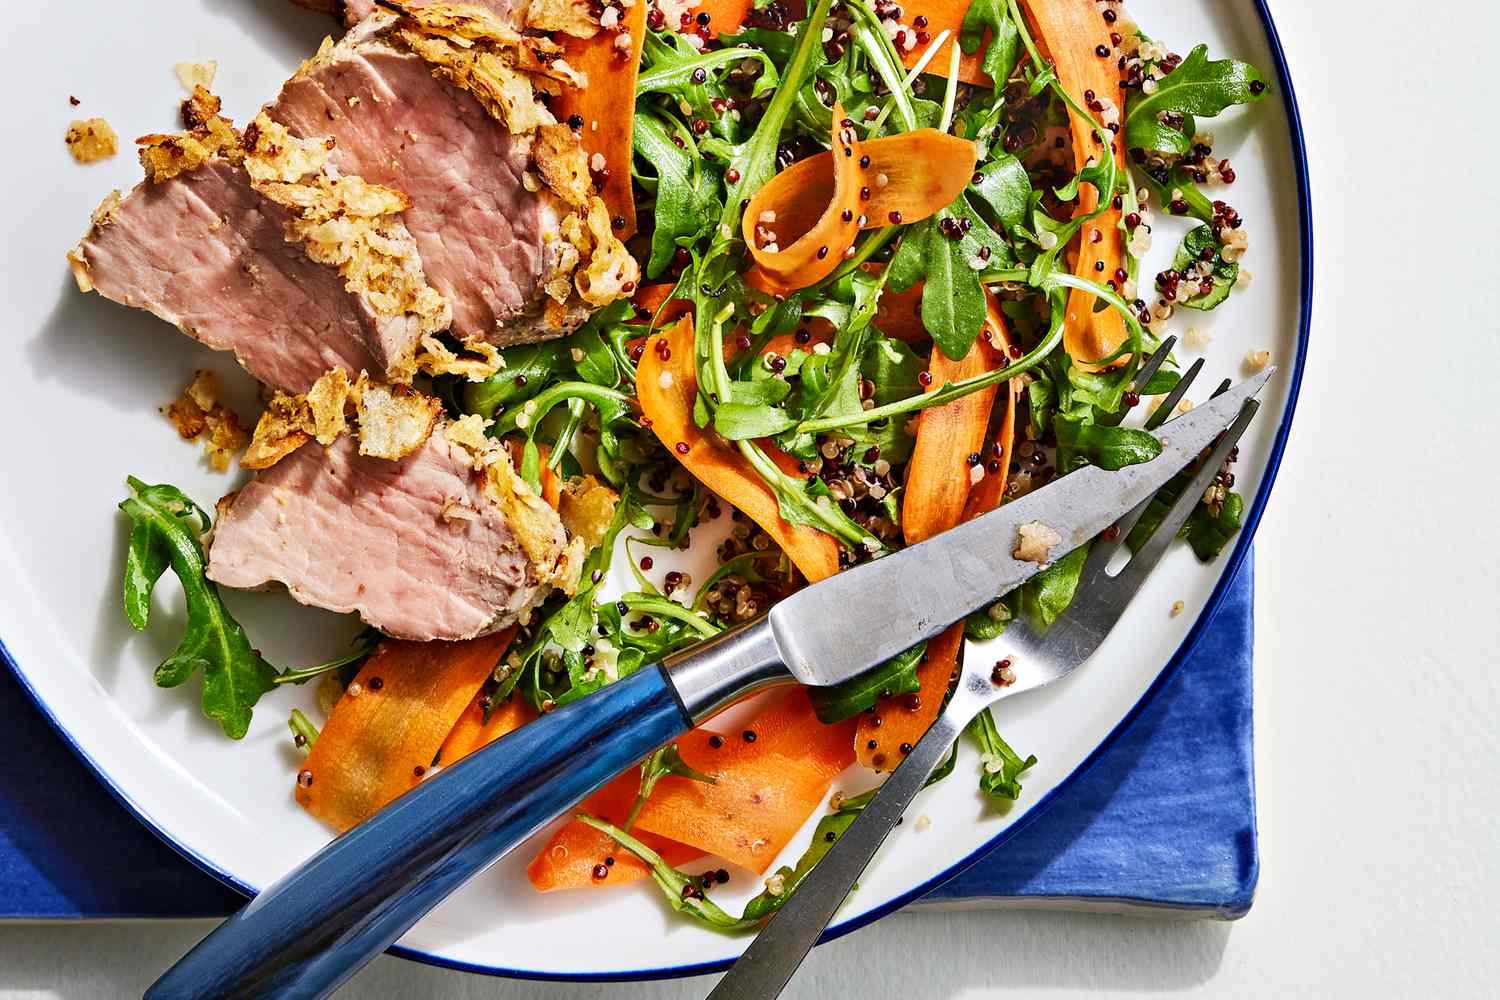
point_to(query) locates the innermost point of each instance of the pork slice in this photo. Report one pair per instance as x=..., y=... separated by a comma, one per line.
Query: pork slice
x=206, y=252
x=421, y=548
x=483, y=238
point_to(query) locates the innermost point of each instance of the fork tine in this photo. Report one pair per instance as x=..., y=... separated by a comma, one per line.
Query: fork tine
x=1153, y=364
x=1104, y=550
x=1161, y=414
x=1145, y=560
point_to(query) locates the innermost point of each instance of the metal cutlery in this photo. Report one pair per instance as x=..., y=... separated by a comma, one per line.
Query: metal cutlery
x=1030, y=659
x=309, y=932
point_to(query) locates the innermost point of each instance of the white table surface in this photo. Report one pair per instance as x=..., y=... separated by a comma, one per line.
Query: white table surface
x=1377, y=693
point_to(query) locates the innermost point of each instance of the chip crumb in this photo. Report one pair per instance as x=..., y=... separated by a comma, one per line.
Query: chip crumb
x=1177, y=607
x=1257, y=360
x=197, y=74
x=91, y=140
x=776, y=884
x=1195, y=339
x=198, y=415
x=1034, y=541
x=923, y=823
x=74, y=101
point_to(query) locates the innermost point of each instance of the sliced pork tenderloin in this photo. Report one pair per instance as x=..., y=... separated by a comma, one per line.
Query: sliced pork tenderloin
x=281, y=272
x=494, y=239
x=428, y=547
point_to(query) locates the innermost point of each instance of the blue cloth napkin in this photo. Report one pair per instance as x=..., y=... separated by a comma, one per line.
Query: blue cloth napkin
x=1164, y=817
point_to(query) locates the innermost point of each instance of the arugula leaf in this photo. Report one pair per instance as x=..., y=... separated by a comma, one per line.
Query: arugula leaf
x=742, y=421
x=1047, y=595
x=165, y=530
x=978, y=239
x=360, y=649
x=1208, y=529
x=898, y=675
x=1004, y=48
x=1208, y=533
x=1163, y=122
x=304, y=733
x=528, y=369
x=1110, y=448
x=893, y=368
x=952, y=297
x=1004, y=188
x=687, y=193
x=1198, y=244
x=1001, y=766
x=989, y=623
x=755, y=159
x=684, y=893
x=909, y=263
x=667, y=760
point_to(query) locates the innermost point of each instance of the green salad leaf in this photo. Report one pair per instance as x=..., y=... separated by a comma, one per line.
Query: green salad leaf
x=1164, y=121
x=166, y=528
x=992, y=18
x=897, y=675
x=1201, y=246
x=1000, y=766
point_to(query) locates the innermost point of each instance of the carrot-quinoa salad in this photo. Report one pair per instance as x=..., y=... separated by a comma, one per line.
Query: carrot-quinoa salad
x=603, y=281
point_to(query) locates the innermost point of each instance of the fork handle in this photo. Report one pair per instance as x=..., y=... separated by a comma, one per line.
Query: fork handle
x=313, y=929
x=774, y=956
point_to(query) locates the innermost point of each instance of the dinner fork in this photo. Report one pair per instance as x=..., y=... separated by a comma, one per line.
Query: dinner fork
x=1030, y=659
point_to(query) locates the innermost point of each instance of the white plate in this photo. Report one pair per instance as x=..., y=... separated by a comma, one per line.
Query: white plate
x=79, y=410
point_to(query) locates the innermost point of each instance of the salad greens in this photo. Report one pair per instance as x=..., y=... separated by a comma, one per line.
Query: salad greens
x=166, y=528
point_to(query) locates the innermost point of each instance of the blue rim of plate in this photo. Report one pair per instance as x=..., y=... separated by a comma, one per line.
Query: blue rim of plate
x=1242, y=548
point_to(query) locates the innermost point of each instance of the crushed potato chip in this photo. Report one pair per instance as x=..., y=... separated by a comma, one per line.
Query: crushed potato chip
x=209, y=134
x=91, y=140
x=285, y=426
x=587, y=507
x=394, y=421
x=199, y=415
x=193, y=75
x=327, y=402
x=435, y=358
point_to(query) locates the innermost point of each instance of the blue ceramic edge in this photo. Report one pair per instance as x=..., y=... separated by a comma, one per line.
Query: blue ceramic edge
x=1247, y=535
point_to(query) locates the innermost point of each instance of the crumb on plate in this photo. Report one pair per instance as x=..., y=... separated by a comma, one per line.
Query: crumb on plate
x=198, y=415
x=91, y=140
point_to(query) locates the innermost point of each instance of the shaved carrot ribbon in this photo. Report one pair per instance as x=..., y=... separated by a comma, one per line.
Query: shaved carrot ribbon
x=940, y=492
x=573, y=856
x=796, y=234
x=611, y=72
x=764, y=791
x=473, y=730
x=908, y=178
x=667, y=385
x=1071, y=33
x=948, y=15
x=387, y=729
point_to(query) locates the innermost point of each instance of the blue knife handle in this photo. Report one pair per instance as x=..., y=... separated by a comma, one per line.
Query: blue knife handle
x=309, y=932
